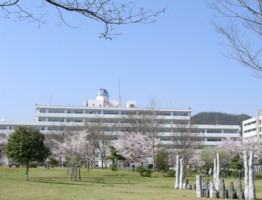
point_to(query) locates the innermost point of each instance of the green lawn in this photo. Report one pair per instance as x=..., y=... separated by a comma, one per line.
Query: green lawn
x=95, y=185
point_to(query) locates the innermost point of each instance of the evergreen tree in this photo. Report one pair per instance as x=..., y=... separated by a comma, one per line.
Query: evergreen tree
x=26, y=145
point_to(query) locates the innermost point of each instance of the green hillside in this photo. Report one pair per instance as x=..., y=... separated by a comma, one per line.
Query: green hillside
x=218, y=118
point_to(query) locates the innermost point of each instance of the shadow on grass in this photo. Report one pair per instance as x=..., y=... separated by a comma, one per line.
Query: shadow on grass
x=106, y=182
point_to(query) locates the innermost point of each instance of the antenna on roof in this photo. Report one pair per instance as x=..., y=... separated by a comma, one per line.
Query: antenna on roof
x=119, y=94
x=50, y=100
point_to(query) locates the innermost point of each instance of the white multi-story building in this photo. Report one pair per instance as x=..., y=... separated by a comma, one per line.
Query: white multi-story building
x=113, y=119
x=253, y=127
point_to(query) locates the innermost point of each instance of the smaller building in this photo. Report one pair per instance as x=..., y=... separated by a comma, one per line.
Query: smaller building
x=212, y=135
x=253, y=127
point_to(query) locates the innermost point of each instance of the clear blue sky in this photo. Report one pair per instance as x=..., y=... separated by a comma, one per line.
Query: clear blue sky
x=178, y=61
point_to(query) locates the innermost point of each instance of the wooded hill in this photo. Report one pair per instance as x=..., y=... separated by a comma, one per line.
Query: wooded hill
x=214, y=118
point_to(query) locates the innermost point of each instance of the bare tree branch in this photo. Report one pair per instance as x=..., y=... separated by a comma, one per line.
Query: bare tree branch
x=242, y=29
x=9, y=3
x=109, y=12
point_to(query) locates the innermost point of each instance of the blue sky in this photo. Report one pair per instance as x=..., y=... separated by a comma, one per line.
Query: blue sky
x=178, y=60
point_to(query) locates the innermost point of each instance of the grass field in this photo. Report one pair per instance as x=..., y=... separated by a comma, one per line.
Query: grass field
x=97, y=184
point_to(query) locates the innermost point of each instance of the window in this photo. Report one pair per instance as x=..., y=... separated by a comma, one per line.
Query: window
x=201, y=131
x=128, y=113
x=165, y=139
x=164, y=113
x=214, y=139
x=41, y=119
x=213, y=131
x=110, y=112
x=230, y=131
x=93, y=112
x=165, y=130
x=166, y=122
x=180, y=114
x=56, y=111
x=55, y=119
x=2, y=127
x=55, y=128
x=75, y=111
x=42, y=110
x=74, y=120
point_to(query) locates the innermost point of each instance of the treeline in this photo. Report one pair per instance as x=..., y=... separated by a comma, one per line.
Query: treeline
x=214, y=118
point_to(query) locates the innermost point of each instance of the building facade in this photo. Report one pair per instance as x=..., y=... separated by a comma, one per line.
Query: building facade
x=253, y=127
x=114, y=120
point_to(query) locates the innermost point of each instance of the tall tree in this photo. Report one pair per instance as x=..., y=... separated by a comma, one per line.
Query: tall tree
x=76, y=147
x=186, y=139
x=109, y=12
x=242, y=28
x=114, y=157
x=207, y=155
x=162, y=159
x=99, y=136
x=145, y=122
x=1, y=152
x=26, y=145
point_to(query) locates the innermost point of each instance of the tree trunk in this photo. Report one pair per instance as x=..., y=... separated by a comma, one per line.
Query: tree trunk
x=102, y=164
x=27, y=170
x=153, y=152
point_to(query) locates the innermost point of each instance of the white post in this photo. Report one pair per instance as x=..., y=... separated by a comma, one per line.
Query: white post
x=251, y=182
x=246, y=180
x=199, y=188
x=181, y=177
x=218, y=172
x=215, y=174
x=212, y=190
x=177, y=172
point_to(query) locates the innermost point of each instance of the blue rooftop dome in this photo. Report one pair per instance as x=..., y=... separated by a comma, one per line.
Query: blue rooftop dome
x=103, y=95
x=103, y=92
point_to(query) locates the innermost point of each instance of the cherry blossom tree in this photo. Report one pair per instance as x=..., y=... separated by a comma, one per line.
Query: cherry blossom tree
x=76, y=146
x=147, y=123
x=230, y=148
x=233, y=147
x=196, y=161
x=136, y=148
x=99, y=136
x=253, y=144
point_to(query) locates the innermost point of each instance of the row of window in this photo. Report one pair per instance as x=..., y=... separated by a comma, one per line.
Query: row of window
x=211, y=139
x=105, y=128
x=222, y=131
x=249, y=124
x=111, y=112
x=250, y=130
x=93, y=120
x=252, y=123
